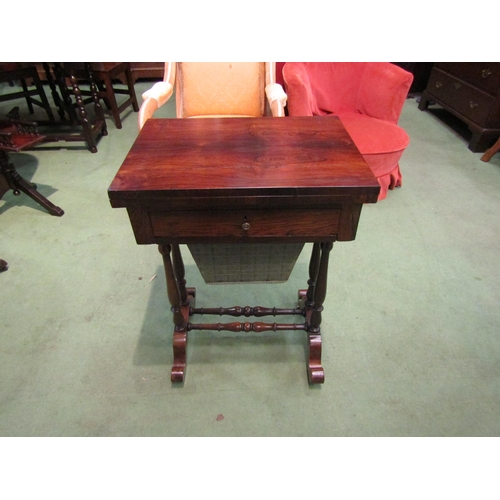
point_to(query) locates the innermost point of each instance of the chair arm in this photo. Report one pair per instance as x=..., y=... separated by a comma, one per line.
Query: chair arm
x=154, y=98
x=298, y=89
x=383, y=91
x=276, y=97
x=160, y=92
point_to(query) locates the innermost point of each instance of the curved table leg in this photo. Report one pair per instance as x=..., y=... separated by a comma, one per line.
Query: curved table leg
x=181, y=299
x=318, y=278
x=490, y=152
x=18, y=184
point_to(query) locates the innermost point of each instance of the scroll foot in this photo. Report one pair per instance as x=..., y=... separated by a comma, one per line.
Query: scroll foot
x=315, y=372
x=302, y=297
x=179, y=367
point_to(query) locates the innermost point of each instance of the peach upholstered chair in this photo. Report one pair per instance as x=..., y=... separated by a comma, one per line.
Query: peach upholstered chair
x=367, y=97
x=209, y=89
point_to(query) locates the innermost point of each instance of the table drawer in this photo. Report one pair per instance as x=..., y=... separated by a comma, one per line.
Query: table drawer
x=245, y=224
x=461, y=97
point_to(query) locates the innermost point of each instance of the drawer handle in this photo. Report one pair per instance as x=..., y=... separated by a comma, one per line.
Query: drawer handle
x=457, y=85
x=486, y=73
x=473, y=104
x=245, y=226
x=439, y=84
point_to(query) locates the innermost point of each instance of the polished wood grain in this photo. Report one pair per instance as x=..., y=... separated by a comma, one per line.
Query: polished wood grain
x=244, y=180
x=243, y=157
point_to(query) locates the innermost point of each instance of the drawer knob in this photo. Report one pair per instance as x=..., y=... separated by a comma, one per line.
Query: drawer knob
x=245, y=226
x=473, y=104
x=486, y=73
x=439, y=84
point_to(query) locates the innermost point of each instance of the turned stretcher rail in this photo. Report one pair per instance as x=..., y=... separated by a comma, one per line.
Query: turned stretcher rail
x=246, y=311
x=246, y=327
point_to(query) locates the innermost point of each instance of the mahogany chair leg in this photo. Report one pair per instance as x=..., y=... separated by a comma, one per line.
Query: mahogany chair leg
x=111, y=100
x=490, y=152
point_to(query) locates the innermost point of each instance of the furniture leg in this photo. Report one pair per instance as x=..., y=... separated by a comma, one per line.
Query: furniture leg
x=424, y=102
x=491, y=151
x=28, y=99
x=130, y=85
x=18, y=184
x=84, y=120
x=55, y=95
x=315, y=372
x=179, y=272
x=97, y=105
x=43, y=97
x=110, y=97
x=65, y=101
x=180, y=311
x=313, y=273
x=102, y=92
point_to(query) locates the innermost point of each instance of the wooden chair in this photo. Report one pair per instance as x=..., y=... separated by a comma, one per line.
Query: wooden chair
x=104, y=73
x=76, y=123
x=28, y=77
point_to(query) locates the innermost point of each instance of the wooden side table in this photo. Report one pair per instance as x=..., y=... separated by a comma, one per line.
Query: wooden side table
x=244, y=181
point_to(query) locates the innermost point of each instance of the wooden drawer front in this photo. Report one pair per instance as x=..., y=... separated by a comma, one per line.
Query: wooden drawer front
x=485, y=76
x=463, y=98
x=245, y=224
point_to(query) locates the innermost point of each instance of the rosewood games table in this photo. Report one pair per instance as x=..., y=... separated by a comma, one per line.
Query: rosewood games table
x=244, y=181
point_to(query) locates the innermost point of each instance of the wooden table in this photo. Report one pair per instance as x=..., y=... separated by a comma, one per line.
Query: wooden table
x=244, y=180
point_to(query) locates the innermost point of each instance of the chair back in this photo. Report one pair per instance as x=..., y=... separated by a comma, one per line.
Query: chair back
x=205, y=89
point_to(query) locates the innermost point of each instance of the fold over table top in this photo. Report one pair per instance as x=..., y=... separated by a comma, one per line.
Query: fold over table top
x=242, y=158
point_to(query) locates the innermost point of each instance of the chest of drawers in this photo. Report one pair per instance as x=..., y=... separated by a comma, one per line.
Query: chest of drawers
x=471, y=92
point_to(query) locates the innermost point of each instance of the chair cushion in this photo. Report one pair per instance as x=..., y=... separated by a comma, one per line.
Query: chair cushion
x=373, y=136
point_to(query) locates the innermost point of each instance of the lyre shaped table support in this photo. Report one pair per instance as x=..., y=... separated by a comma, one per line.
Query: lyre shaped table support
x=310, y=307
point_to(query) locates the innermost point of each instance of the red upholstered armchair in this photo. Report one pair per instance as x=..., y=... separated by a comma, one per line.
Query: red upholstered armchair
x=367, y=97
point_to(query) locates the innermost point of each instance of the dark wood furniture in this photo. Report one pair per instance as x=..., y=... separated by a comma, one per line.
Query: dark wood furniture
x=244, y=180
x=104, y=73
x=32, y=88
x=16, y=136
x=471, y=92
x=139, y=70
x=76, y=123
x=147, y=70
